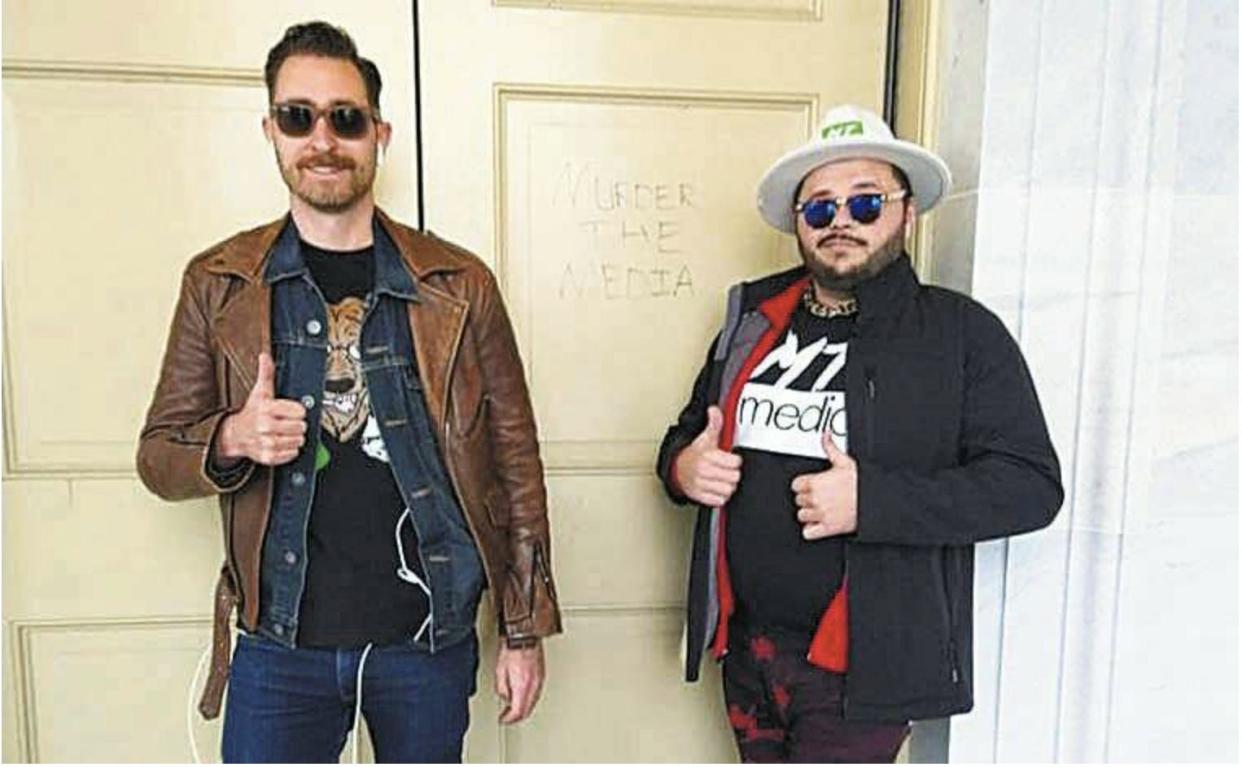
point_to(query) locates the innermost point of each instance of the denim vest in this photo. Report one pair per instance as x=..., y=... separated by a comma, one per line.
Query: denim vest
x=299, y=346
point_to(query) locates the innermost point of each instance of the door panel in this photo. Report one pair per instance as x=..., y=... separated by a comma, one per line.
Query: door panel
x=606, y=219
x=603, y=157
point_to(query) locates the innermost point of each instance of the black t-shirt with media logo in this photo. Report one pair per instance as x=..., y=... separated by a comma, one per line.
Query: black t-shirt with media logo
x=795, y=393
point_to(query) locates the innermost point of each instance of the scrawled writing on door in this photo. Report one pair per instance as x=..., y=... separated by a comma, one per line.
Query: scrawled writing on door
x=626, y=234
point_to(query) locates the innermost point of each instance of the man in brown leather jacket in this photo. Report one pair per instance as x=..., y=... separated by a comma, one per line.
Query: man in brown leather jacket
x=350, y=389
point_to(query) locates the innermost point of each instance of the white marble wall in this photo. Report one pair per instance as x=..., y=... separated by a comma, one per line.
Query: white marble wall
x=1099, y=220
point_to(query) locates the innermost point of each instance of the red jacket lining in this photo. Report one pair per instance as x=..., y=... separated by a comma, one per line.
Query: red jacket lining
x=829, y=646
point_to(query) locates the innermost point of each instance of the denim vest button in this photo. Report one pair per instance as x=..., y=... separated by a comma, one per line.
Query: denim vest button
x=308, y=402
x=313, y=327
x=279, y=630
x=291, y=558
x=298, y=479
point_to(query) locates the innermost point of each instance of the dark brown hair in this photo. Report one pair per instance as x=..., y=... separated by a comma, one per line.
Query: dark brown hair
x=319, y=38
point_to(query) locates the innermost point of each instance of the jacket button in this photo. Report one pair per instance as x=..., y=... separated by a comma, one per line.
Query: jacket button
x=279, y=630
x=313, y=327
x=291, y=558
x=298, y=479
x=308, y=402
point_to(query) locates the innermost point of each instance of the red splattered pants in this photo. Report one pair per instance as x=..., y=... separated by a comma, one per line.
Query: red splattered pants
x=783, y=709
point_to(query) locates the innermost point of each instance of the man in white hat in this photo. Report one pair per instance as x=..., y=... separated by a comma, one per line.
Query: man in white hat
x=850, y=437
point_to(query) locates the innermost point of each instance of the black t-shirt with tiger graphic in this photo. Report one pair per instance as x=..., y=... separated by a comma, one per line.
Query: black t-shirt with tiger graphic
x=360, y=533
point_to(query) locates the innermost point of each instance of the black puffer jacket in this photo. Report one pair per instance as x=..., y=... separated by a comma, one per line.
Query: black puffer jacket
x=952, y=449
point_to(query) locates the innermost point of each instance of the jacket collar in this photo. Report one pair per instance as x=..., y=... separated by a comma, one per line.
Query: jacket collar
x=246, y=255
x=391, y=276
x=780, y=307
x=886, y=294
x=881, y=296
x=286, y=260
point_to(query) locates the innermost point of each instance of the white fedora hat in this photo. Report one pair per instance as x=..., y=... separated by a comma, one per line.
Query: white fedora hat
x=848, y=132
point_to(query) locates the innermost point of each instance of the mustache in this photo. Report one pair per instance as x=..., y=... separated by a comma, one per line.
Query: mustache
x=326, y=160
x=830, y=238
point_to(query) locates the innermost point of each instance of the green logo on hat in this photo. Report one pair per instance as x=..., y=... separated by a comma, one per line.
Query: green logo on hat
x=837, y=130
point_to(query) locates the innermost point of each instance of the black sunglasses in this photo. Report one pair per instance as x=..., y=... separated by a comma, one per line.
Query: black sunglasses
x=864, y=208
x=298, y=120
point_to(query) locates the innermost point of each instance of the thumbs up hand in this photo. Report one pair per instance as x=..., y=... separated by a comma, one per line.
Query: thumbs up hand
x=265, y=380
x=704, y=472
x=828, y=500
x=267, y=430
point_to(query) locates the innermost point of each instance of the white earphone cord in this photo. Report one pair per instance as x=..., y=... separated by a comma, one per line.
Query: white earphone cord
x=404, y=573
x=409, y=576
x=198, y=671
x=357, y=734
x=189, y=709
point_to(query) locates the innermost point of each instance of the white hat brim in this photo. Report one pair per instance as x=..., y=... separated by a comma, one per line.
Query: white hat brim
x=929, y=176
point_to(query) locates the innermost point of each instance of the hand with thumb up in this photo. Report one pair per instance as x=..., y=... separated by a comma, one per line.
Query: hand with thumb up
x=704, y=472
x=267, y=430
x=828, y=500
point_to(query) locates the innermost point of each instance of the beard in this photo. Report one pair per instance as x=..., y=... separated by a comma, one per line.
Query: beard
x=328, y=195
x=832, y=275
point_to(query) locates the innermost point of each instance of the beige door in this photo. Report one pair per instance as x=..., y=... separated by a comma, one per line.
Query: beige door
x=603, y=156
x=131, y=141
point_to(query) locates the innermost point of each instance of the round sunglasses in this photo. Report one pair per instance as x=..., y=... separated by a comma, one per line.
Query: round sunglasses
x=346, y=121
x=864, y=208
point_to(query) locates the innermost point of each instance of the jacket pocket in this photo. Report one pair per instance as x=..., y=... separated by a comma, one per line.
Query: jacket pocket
x=899, y=619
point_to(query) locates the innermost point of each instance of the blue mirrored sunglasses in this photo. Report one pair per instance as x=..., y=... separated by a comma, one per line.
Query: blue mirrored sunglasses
x=864, y=208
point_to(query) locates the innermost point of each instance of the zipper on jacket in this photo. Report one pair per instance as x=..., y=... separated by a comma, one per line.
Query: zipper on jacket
x=869, y=409
x=869, y=418
x=949, y=618
x=448, y=462
x=542, y=568
x=952, y=651
x=845, y=678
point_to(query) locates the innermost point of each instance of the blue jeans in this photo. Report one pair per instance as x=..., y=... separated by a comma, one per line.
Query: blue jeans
x=297, y=705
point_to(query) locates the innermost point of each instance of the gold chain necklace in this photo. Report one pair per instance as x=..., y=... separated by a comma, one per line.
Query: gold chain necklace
x=844, y=309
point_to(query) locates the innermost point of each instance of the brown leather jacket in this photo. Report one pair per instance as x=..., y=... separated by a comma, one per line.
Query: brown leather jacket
x=475, y=393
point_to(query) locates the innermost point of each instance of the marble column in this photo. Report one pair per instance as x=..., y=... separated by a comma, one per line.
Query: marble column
x=1098, y=219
